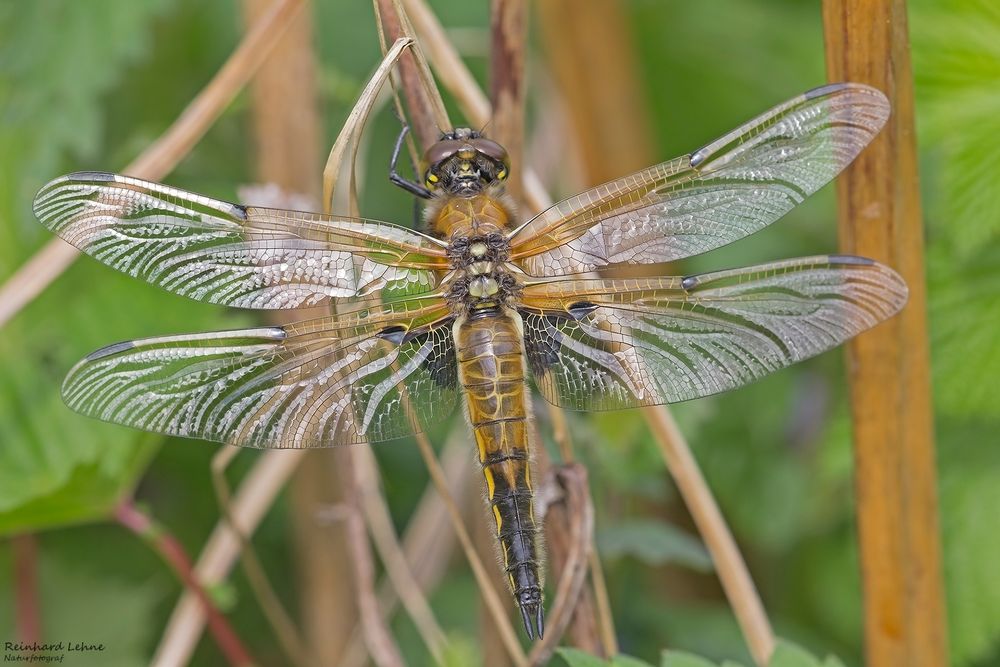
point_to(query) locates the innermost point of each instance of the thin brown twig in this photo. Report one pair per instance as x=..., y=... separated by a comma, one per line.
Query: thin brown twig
x=280, y=620
x=28, y=610
x=508, y=32
x=254, y=498
x=381, y=645
x=458, y=80
x=427, y=540
x=579, y=511
x=729, y=564
x=170, y=549
x=605, y=619
x=602, y=601
x=162, y=155
x=345, y=148
x=427, y=113
x=391, y=554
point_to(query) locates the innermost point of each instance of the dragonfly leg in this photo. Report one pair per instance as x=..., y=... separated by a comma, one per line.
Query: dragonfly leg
x=394, y=176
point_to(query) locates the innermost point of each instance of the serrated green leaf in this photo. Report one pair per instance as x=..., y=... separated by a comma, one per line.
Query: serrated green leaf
x=787, y=654
x=653, y=542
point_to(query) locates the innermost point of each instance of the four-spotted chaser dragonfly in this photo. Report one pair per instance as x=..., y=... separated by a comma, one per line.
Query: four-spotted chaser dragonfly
x=471, y=308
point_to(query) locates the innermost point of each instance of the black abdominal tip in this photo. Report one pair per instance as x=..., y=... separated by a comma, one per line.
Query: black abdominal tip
x=536, y=624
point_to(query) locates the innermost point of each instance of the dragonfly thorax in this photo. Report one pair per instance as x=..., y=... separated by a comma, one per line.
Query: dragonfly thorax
x=483, y=277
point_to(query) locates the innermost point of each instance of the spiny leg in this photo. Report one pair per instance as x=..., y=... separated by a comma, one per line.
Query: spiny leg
x=395, y=177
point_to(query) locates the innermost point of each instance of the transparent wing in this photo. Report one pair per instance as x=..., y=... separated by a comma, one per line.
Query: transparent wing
x=729, y=189
x=609, y=344
x=229, y=254
x=363, y=376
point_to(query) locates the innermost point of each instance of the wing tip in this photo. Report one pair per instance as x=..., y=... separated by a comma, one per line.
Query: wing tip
x=874, y=99
x=896, y=293
x=40, y=205
x=851, y=259
x=845, y=86
x=109, y=350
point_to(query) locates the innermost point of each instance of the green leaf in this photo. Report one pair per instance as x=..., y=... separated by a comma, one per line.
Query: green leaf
x=956, y=51
x=653, y=542
x=970, y=495
x=574, y=657
x=683, y=659
x=622, y=660
x=56, y=467
x=789, y=655
x=965, y=319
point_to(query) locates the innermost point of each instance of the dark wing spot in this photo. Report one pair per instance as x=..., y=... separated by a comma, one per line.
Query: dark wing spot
x=581, y=309
x=394, y=334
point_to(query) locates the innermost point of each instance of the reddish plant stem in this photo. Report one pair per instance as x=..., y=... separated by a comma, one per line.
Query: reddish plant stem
x=171, y=551
x=28, y=616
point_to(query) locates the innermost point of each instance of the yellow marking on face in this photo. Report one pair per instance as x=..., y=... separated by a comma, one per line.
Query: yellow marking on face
x=432, y=177
x=496, y=513
x=502, y=174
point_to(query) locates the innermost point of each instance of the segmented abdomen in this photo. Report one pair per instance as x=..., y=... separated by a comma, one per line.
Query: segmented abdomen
x=492, y=372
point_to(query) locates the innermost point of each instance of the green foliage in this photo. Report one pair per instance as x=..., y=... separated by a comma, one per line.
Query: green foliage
x=785, y=655
x=654, y=543
x=56, y=467
x=956, y=49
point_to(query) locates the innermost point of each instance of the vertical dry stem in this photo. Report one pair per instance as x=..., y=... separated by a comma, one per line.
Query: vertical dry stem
x=508, y=31
x=381, y=645
x=880, y=217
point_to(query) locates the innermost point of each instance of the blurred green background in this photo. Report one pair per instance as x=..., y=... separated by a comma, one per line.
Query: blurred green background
x=89, y=85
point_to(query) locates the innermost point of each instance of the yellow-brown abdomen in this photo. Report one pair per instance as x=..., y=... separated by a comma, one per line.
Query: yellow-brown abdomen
x=492, y=373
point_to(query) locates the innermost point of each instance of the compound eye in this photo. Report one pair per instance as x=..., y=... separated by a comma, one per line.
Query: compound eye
x=441, y=151
x=490, y=149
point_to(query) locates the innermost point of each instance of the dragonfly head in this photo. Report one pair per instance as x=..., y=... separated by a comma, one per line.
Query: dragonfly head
x=464, y=163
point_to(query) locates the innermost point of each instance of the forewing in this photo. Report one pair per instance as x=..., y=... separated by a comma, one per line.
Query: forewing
x=609, y=344
x=229, y=254
x=729, y=189
x=363, y=376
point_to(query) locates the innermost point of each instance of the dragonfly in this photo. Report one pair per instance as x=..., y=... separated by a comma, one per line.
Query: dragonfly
x=477, y=304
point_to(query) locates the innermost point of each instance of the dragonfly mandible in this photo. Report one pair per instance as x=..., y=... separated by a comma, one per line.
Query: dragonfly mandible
x=471, y=308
